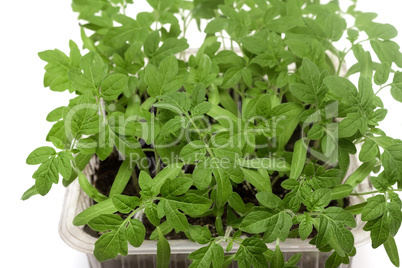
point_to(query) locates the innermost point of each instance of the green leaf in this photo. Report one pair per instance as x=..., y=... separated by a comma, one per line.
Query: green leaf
x=387, y=51
x=63, y=163
x=162, y=252
x=56, y=70
x=201, y=109
x=190, y=203
x=90, y=190
x=83, y=117
x=124, y=203
x=344, y=89
x=105, y=222
x=135, y=232
x=122, y=178
x=255, y=44
x=29, y=193
x=356, y=209
x=361, y=173
x=202, y=174
x=203, y=257
x=223, y=187
x=151, y=44
x=341, y=191
x=392, y=160
x=313, y=90
x=176, y=186
x=113, y=86
x=171, y=171
x=298, y=159
x=176, y=219
x=236, y=202
x=104, y=207
x=382, y=74
x=193, y=151
x=45, y=176
x=294, y=259
x=259, y=181
x=396, y=87
x=380, y=231
x=110, y=244
x=381, y=31
x=56, y=114
x=40, y=155
x=199, y=234
x=375, y=208
x=305, y=226
x=319, y=199
x=81, y=160
x=392, y=251
x=231, y=78
x=332, y=231
x=349, y=126
x=334, y=27
x=274, y=225
x=127, y=145
x=251, y=252
x=165, y=79
x=175, y=101
x=269, y=200
x=368, y=151
x=152, y=214
x=278, y=260
x=95, y=71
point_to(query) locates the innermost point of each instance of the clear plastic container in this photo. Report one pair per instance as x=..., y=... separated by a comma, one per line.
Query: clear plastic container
x=145, y=256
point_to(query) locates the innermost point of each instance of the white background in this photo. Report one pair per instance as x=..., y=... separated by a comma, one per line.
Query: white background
x=29, y=230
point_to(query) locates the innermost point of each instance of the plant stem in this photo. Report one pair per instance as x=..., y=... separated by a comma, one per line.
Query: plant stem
x=374, y=192
x=378, y=91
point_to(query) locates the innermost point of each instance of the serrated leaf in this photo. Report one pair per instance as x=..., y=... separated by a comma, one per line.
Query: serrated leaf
x=380, y=231
x=45, y=176
x=201, y=235
x=193, y=151
x=135, y=232
x=251, y=252
x=113, y=86
x=257, y=180
x=305, y=226
x=40, y=155
x=375, y=207
x=124, y=203
x=105, y=222
x=368, y=151
x=203, y=257
x=202, y=174
x=269, y=200
x=110, y=244
x=177, y=186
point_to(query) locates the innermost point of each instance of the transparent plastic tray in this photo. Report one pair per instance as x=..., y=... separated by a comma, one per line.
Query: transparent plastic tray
x=75, y=236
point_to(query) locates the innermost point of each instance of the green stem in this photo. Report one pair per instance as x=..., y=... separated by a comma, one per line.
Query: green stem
x=200, y=134
x=387, y=85
x=374, y=192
